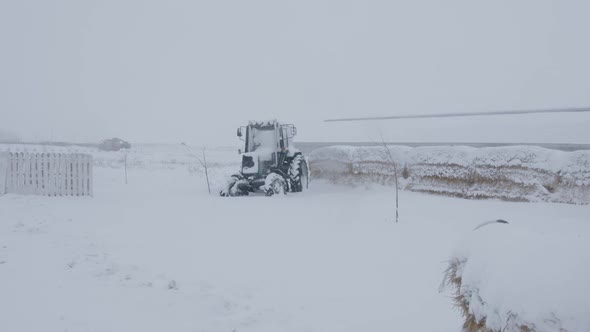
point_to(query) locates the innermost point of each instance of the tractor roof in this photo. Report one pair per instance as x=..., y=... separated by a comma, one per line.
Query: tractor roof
x=263, y=123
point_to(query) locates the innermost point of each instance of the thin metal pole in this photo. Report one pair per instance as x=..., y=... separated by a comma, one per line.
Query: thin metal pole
x=125, y=167
x=206, y=171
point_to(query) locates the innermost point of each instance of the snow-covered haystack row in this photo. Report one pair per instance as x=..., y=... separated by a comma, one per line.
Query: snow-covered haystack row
x=516, y=173
x=506, y=278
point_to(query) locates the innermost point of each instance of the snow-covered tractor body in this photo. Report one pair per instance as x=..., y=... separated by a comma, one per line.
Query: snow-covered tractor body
x=270, y=162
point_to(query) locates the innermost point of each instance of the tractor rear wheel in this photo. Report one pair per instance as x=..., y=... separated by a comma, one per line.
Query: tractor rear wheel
x=299, y=174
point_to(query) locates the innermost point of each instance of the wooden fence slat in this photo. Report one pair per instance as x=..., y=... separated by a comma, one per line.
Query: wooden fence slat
x=31, y=173
x=57, y=171
x=66, y=178
x=23, y=172
x=91, y=175
x=52, y=173
x=64, y=174
x=12, y=173
x=48, y=189
x=33, y=166
x=17, y=171
x=43, y=173
x=26, y=172
x=89, y=167
x=75, y=176
x=36, y=171
x=71, y=174
x=36, y=176
x=16, y=174
x=78, y=177
x=68, y=164
x=57, y=164
x=46, y=176
x=9, y=173
x=83, y=175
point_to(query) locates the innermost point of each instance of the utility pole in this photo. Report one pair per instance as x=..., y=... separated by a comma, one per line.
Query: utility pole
x=125, y=166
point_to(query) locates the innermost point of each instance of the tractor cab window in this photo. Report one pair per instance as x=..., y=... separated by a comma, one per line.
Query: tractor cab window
x=284, y=138
x=262, y=138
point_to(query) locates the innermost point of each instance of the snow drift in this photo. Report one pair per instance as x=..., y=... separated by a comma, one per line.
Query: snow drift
x=516, y=173
x=506, y=277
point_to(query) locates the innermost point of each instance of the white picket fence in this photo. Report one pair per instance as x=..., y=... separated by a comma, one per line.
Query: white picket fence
x=50, y=174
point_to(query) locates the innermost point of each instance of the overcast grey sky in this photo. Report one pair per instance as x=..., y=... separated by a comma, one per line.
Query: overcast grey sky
x=186, y=70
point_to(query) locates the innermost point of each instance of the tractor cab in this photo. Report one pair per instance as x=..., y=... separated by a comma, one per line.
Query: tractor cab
x=267, y=136
x=266, y=145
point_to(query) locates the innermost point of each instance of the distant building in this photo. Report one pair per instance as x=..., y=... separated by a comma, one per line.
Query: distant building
x=113, y=144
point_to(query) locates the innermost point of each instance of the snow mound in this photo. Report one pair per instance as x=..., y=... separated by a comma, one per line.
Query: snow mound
x=508, y=278
x=515, y=173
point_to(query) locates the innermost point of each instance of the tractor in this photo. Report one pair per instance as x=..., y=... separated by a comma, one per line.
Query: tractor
x=270, y=162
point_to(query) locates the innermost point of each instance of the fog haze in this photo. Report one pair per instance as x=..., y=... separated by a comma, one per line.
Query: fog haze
x=192, y=71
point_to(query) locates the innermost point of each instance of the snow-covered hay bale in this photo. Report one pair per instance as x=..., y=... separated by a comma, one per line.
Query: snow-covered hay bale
x=517, y=173
x=507, y=278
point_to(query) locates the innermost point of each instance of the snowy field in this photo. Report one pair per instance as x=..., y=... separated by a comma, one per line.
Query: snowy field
x=161, y=254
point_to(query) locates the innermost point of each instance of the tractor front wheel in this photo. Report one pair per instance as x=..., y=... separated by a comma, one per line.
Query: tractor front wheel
x=232, y=187
x=275, y=184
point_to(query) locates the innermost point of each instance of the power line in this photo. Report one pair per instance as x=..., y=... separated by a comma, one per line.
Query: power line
x=450, y=115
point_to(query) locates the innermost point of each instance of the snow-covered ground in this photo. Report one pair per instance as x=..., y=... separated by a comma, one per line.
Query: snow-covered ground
x=161, y=254
x=525, y=274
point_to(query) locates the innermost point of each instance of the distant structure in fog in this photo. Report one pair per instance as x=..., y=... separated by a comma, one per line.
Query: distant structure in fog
x=6, y=137
x=113, y=144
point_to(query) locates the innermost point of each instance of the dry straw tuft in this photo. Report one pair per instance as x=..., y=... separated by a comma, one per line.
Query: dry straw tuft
x=471, y=324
